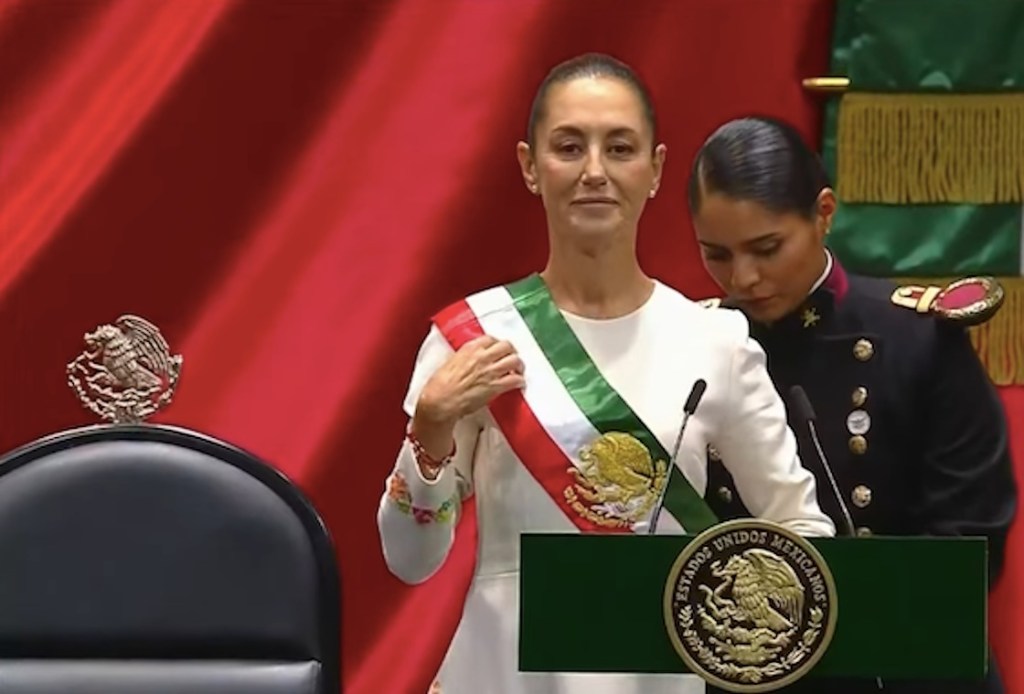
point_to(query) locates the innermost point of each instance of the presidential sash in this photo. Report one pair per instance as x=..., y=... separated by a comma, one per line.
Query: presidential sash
x=575, y=434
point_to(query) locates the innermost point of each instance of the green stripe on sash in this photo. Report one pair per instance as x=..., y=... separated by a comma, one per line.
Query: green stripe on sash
x=599, y=402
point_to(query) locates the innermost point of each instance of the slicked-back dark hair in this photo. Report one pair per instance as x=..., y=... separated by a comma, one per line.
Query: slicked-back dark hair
x=589, y=65
x=760, y=159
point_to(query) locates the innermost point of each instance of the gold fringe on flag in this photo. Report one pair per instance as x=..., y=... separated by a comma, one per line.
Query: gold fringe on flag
x=999, y=341
x=930, y=148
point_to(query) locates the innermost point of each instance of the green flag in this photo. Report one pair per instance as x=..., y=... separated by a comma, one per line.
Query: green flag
x=926, y=149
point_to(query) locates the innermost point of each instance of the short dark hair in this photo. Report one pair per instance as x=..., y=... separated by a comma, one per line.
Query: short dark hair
x=589, y=65
x=760, y=159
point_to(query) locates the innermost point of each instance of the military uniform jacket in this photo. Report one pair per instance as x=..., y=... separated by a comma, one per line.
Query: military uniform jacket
x=907, y=417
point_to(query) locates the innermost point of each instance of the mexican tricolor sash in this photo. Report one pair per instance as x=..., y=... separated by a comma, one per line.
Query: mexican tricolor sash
x=571, y=429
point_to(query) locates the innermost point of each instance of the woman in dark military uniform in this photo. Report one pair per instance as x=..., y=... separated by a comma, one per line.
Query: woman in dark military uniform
x=908, y=419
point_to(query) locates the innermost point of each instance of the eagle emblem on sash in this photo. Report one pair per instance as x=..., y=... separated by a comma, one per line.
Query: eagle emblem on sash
x=617, y=482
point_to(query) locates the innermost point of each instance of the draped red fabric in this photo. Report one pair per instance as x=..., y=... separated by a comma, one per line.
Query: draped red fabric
x=290, y=189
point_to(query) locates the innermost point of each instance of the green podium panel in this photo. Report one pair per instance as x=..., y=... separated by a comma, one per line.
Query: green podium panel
x=907, y=607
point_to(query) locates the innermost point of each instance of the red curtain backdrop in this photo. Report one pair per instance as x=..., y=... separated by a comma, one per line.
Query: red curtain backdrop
x=289, y=189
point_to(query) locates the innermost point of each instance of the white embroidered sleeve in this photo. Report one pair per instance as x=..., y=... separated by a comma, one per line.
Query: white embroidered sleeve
x=416, y=517
x=760, y=450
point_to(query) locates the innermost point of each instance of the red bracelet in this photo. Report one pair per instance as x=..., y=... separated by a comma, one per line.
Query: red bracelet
x=424, y=459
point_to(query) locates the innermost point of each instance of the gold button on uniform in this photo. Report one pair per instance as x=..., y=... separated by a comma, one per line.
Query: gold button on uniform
x=861, y=496
x=725, y=494
x=713, y=454
x=860, y=396
x=858, y=445
x=863, y=350
x=863, y=532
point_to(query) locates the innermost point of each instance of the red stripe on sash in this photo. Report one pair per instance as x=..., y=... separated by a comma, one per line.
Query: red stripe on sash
x=531, y=443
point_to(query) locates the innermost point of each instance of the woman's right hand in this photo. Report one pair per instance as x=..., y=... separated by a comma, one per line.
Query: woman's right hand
x=480, y=370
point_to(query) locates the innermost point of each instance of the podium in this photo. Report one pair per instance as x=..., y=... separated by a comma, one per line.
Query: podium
x=904, y=608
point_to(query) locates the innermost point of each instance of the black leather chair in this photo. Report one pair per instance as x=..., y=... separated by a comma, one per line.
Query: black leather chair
x=156, y=560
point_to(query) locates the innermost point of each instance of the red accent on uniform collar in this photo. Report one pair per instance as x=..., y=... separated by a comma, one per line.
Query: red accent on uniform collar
x=837, y=282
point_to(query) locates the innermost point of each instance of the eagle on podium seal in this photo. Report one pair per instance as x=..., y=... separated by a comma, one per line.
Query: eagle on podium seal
x=750, y=606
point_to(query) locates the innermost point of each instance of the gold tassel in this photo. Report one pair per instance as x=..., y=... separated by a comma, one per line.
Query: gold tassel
x=999, y=341
x=931, y=148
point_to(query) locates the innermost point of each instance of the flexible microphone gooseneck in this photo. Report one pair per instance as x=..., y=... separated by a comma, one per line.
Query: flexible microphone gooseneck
x=696, y=393
x=806, y=413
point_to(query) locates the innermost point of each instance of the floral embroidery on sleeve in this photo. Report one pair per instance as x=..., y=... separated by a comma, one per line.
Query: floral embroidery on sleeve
x=398, y=493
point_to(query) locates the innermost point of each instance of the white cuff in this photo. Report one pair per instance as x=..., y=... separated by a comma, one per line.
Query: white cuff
x=426, y=500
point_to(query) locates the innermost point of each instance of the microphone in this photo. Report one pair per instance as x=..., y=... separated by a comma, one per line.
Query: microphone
x=806, y=413
x=696, y=393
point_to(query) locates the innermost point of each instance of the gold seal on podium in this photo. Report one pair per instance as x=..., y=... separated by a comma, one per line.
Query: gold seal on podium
x=750, y=606
x=126, y=372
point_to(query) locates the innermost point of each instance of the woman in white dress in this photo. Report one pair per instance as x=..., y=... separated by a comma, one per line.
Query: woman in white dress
x=555, y=399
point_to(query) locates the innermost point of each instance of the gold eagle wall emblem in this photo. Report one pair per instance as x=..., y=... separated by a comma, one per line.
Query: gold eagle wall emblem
x=126, y=372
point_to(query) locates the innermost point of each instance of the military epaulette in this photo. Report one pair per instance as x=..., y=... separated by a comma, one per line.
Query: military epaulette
x=710, y=303
x=968, y=301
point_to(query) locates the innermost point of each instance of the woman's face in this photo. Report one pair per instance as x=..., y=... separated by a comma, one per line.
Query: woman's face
x=593, y=162
x=766, y=262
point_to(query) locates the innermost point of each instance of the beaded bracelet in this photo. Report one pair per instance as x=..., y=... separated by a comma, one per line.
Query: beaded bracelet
x=424, y=459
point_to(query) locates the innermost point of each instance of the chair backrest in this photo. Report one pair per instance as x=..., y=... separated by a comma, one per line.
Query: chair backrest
x=145, y=558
